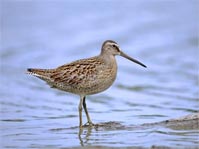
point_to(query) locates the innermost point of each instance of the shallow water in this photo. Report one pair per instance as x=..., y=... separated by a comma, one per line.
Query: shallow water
x=161, y=34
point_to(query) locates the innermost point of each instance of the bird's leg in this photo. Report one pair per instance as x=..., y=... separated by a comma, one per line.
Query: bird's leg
x=80, y=111
x=87, y=115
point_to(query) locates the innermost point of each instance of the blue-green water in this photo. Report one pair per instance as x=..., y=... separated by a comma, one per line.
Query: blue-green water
x=45, y=34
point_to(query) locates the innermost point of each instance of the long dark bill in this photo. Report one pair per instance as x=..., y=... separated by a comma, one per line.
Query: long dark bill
x=131, y=59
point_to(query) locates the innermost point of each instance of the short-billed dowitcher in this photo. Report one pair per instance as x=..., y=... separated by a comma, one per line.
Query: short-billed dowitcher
x=86, y=76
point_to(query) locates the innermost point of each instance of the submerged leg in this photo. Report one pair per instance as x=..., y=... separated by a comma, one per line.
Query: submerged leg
x=80, y=111
x=85, y=109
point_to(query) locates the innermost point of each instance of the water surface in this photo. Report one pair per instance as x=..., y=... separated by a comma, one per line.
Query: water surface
x=44, y=34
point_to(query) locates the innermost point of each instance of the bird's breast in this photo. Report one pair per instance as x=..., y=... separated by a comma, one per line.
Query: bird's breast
x=101, y=80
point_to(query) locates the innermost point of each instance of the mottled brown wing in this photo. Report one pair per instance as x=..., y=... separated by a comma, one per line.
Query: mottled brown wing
x=77, y=72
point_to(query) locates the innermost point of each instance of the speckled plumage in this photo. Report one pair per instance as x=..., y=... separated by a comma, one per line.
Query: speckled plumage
x=85, y=76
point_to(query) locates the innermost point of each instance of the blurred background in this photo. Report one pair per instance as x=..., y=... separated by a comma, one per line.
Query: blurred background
x=162, y=34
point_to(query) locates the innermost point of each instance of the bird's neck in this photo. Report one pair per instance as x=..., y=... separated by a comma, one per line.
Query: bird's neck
x=110, y=60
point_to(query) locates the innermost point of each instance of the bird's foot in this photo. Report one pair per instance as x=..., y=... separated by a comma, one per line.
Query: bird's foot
x=90, y=124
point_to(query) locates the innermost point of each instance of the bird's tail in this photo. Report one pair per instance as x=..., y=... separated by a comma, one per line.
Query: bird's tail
x=43, y=74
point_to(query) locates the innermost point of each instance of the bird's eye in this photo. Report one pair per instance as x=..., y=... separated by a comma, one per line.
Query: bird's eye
x=114, y=46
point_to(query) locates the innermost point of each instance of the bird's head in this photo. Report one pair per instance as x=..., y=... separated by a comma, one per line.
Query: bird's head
x=110, y=47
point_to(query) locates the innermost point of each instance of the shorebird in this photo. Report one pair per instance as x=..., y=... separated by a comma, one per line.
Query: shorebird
x=86, y=76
